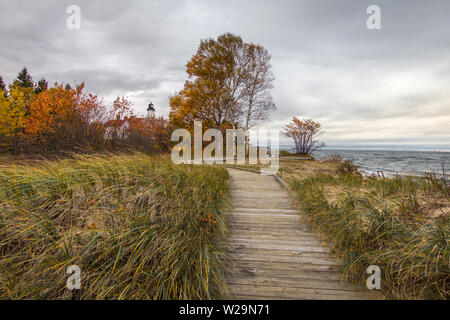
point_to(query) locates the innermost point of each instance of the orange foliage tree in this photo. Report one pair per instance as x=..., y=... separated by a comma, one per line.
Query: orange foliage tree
x=154, y=131
x=121, y=108
x=65, y=118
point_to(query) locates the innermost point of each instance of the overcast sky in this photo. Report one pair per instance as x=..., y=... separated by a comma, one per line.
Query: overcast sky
x=365, y=86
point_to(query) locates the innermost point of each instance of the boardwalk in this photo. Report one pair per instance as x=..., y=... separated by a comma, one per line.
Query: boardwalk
x=275, y=255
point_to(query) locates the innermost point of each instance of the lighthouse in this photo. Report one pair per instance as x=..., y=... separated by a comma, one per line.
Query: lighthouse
x=151, y=110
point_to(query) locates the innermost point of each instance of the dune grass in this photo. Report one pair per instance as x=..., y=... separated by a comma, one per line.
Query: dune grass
x=139, y=227
x=400, y=224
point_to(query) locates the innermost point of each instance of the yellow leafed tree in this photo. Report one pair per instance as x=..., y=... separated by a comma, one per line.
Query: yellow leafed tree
x=12, y=113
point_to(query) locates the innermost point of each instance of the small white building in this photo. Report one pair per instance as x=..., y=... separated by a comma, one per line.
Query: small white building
x=120, y=128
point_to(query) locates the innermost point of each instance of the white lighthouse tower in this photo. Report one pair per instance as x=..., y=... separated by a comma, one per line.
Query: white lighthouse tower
x=151, y=111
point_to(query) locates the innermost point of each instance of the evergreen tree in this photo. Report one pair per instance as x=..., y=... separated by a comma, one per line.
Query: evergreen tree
x=24, y=79
x=42, y=85
x=3, y=87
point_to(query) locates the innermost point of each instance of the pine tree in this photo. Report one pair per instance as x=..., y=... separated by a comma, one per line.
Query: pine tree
x=42, y=85
x=3, y=87
x=24, y=79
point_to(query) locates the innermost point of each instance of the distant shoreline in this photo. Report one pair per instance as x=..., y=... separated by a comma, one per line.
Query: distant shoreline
x=393, y=162
x=369, y=149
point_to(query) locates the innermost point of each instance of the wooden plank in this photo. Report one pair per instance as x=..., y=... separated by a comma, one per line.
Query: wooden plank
x=294, y=275
x=265, y=252
x=302, y=243
x=292, y=260
x=266, y=228
x=288, y=233
x=295, y=283
x=279, y=247
x=296, y=293
x=266, y=210
x=266, y=215
x=263, y=222
x=281, y=266
x=274, y=235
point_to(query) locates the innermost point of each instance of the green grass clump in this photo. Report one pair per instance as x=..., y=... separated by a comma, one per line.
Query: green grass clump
x=139, y=227
x=386, y=222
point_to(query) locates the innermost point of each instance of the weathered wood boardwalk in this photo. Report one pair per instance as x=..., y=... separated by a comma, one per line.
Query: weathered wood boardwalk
x=275, y=255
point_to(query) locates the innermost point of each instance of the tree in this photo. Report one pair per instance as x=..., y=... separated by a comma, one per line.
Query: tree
x=49, y=112
x=258, y=98
x=3, y=87
x=89, y=106
x=42, y=85
x=304, y=133
x=155, y=132
x=65, y=118
x=23, y=83
x=12, y=115
x=24, y=79
x=229, y=85
x=122, y=108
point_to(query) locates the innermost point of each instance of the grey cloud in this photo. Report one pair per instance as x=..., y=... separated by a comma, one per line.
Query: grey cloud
x=107, y=81
x=327, y=64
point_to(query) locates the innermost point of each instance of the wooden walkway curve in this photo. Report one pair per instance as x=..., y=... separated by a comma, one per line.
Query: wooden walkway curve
x=275, y=255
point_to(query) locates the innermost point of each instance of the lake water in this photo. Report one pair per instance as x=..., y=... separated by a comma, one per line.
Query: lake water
x=394, y=162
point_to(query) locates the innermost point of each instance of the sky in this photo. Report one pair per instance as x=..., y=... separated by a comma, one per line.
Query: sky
x=366, y=87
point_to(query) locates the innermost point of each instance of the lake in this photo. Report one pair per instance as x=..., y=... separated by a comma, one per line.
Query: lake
x=393, y=162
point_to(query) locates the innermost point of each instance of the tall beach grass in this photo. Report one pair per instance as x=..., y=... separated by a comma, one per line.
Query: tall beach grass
x=139, y=227
x=398, y=224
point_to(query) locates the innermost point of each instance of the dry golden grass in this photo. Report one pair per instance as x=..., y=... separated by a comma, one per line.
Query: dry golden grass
x=139, y=227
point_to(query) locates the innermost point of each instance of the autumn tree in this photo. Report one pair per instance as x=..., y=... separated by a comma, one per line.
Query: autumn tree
x=90, y=114
x=13, y=109
x=5, y=123
x=229, y=85
x=304, y=133
x=49, y=111
x=36, y=118
x=88, y=106
x=150, y=133
x=121, y=108
x=62, y=118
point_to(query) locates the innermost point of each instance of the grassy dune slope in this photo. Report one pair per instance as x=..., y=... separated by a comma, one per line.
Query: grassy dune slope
x=401, y=224
x=138, y=227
